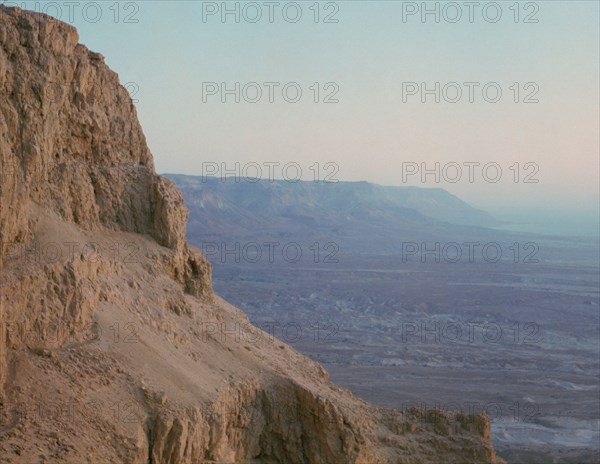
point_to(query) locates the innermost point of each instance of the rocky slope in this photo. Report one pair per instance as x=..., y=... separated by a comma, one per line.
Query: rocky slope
x=113, y=347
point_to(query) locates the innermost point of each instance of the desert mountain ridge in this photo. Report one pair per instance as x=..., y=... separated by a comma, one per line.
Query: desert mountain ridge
x=113, y=346
x=359, y=198
x=229, y=211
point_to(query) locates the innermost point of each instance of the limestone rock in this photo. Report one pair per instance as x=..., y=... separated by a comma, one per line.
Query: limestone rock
x=113, y=347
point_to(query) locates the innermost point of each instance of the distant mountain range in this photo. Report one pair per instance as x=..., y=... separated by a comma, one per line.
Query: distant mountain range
x=345, y=212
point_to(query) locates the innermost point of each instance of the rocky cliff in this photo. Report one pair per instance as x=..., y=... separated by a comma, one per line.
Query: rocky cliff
x=113, y=347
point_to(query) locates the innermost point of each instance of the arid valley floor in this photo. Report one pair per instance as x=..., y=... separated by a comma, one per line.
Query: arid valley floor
x=517, y=338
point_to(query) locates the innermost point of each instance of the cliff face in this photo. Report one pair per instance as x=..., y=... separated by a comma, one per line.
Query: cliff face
x=113, y=347
x=71, y=145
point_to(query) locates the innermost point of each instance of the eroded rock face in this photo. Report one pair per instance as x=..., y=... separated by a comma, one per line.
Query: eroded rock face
x=114, y=348
x=70, y=141
x=70, y=137
x=71, y=144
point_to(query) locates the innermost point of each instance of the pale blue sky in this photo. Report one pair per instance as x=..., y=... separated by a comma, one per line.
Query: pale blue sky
x=368, y=53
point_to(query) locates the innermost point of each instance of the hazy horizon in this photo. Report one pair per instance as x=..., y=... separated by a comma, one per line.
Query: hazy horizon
x=571, y=222
x=367, y=60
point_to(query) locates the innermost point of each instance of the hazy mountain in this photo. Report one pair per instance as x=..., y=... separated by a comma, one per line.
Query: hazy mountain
x=345, y=212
